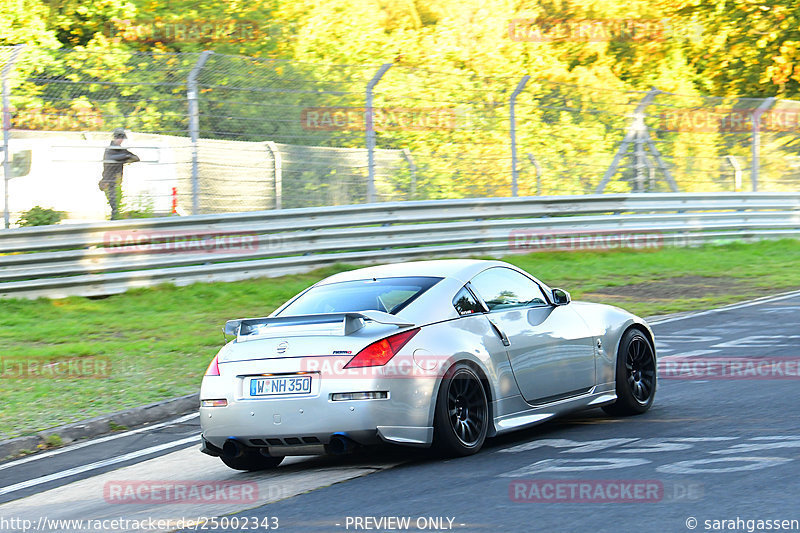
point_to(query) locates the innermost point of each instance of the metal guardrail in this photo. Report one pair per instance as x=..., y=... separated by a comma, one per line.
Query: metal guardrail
x=111, y=257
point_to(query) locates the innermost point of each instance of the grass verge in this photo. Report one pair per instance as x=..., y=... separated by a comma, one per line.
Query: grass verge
x=157, y=342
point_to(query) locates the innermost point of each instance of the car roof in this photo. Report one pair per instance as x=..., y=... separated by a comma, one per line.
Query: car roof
x=460, y=269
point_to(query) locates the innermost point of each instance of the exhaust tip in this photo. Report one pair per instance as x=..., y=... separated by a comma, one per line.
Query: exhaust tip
x=340, y=444
x=232, y=449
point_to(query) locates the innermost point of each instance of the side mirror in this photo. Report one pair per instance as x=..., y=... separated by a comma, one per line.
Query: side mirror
x=560, y=297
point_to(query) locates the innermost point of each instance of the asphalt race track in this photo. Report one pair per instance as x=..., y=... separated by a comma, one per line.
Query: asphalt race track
x=719, y=451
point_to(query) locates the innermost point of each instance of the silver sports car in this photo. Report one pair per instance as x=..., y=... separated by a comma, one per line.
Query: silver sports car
x=429, y=353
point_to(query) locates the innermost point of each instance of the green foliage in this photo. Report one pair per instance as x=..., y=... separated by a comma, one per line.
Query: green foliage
x=724, y=46
x=53, y=440
x=26, y=21
x=40, y=216
x=745, y=47
x=571, y=115
x=113, y=426
x=138, y=207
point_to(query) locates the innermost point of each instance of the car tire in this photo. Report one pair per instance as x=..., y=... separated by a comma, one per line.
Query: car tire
x=252, y=461
x=636, y=376
x=461, y=417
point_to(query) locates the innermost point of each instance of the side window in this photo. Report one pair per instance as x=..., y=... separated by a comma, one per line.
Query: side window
x=465, y=303
x=503, y=288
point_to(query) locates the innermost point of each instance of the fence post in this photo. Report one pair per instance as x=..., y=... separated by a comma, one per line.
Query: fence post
x=369, y=125
x=7, y=127
x=636, y=131
x=640, y=155
x=277, y=166
x=194, y=124
x=755, y=145
x=513, y=123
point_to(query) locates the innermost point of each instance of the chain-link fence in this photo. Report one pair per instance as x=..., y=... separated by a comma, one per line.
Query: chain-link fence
x=218, y=133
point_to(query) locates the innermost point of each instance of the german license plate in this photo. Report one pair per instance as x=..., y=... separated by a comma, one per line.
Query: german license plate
x=280, y=385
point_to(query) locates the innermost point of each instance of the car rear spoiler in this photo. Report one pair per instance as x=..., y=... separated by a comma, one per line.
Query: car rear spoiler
x=350, y=322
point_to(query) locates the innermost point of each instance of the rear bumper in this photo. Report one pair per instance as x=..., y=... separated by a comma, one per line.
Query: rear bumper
x=306, y=422
x=209, y=449
x=294, y=422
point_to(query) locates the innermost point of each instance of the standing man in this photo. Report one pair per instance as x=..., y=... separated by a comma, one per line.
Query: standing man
x=114, y=158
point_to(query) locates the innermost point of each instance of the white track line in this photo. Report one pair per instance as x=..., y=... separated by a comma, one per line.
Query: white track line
x=107, y=438
x=748, y=303
x=96, y=465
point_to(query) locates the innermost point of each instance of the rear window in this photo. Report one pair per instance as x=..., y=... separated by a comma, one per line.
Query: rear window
x=389, y=295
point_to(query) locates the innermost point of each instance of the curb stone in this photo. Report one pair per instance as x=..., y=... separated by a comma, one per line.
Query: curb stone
x=92, y=427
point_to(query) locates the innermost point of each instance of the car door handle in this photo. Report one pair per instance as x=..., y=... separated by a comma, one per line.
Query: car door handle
x=500, y=334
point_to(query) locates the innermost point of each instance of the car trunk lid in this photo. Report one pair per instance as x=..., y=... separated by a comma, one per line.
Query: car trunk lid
x=342, y=334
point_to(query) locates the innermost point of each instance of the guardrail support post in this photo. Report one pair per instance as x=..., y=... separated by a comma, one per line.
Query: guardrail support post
x=194, y=125
x=7, y=128
x=370, y=127
x=766, y=104
x=513, y=128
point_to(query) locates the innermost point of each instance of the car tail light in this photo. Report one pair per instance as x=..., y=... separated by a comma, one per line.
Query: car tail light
x=381, y=352
x=213, y=368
